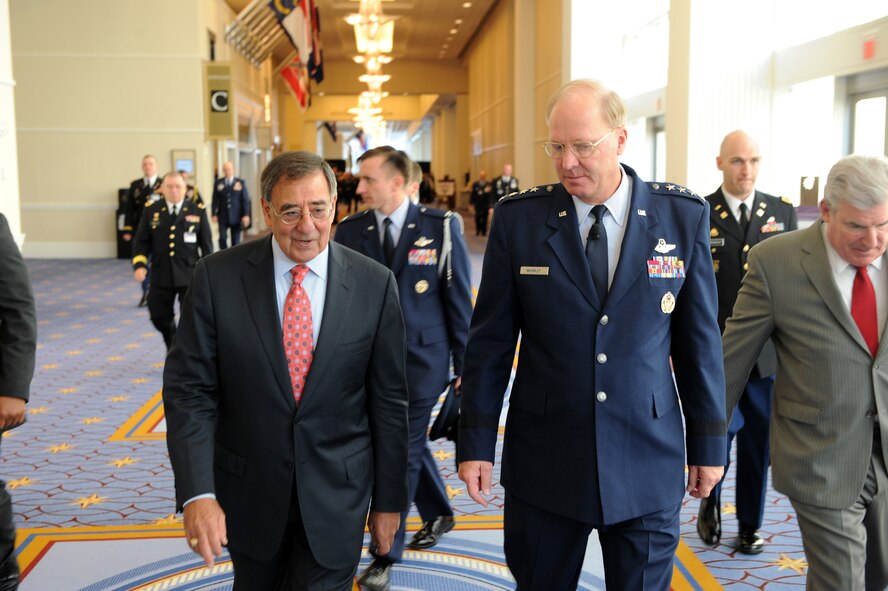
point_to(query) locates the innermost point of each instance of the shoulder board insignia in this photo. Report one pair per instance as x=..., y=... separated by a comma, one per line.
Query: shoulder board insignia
x=433, y=212
x=786, y=200
x=673, y=189
x=355, y=216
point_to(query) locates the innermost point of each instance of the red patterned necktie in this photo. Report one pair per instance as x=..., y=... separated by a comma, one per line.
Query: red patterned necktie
x=297, y=329
x=863, y=309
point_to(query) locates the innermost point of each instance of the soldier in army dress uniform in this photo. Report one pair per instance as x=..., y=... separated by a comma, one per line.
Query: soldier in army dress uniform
x=174, y=233
x=740, y=217
x=142, y=191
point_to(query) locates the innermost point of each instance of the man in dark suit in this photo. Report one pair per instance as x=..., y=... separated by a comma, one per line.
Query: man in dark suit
x=173, y=234
x=606, y=278
x=740, y=217
x=142, y=191
x=231, y=206
x=18, y=347
x=426, y=251
x=286, y=396
x=482, y=201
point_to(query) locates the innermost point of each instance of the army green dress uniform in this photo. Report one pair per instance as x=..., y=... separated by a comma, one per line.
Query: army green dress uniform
x=174, y=245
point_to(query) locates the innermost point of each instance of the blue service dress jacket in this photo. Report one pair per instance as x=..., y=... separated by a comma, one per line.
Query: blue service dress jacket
x=230, y=203
x=436, y=301
x=594, y=429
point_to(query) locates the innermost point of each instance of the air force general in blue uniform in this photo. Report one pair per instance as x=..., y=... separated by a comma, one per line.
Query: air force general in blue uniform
x=594, y=436
x=429, y=258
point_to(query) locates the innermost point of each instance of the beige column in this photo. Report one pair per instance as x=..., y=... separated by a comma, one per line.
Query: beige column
x=524, y=79
x=9, y=180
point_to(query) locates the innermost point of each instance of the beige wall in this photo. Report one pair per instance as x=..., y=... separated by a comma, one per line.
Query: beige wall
x=549, y=76
x=96, y=90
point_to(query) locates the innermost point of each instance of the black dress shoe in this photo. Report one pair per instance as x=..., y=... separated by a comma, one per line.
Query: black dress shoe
x=377, y=577
x=749, y=542
x=709, y=520
x=144, y=301
x=431, y=532
x=9, y=574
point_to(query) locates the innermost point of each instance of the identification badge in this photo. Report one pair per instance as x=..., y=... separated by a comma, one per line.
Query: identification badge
x=717, y=241
x=190, y=237
x=534, y=271
x=422, y=256
x=666, y=267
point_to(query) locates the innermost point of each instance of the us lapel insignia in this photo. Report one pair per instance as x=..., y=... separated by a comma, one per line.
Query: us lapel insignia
x=760, y=213
x=411, y=226
x=641, y=212
x=723, y=215
x=718, y=206
x=561, y=214
x=423, y=241
x=662, y=247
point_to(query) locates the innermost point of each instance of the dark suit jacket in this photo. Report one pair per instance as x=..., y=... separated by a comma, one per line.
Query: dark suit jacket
x=230, y=204
x=436, y=310
x=769, y=216
x=175, y=244
x=18, y=319
x=234, y=429
x=594, y=419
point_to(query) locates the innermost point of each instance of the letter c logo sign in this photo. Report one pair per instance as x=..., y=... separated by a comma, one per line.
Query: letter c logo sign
x=219, y=101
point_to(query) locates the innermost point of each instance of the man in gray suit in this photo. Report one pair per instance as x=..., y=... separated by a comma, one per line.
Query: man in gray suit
x=285, y=395
x=821, y=296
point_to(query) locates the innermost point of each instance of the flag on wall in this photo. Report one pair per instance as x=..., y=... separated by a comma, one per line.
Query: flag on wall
x=295, y=74
x=316, y=59
x=295, y=16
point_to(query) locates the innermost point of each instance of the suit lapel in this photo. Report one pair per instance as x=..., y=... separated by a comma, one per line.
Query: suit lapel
x=817, y=267
x=638, y=242
x=258, y=280
x=340, y=289
x=372, y=244
x=722, y=217
x=565, y=242
x=408, y=237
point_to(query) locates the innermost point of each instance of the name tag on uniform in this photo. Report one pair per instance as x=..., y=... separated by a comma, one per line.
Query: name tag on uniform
x=534, y=270
x=422, y=256
x=190, y=237
x=717, y=241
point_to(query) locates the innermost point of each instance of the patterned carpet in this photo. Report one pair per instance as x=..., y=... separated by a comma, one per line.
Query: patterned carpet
x=92, y=486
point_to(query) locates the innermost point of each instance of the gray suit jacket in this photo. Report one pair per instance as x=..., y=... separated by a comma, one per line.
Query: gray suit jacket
x=828, y=386
x=233, y=428
x=18, y=319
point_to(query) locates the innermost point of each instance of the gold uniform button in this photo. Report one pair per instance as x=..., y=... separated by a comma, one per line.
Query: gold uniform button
x=713, y=250
x=173, y=227
x=172, y=253
x=745, y=266
x=172, y=244
x=746, y=248
x=172, y=236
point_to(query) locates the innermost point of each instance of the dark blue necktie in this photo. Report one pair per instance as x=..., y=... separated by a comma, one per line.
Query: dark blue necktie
x=596, y=252
x=388, y=242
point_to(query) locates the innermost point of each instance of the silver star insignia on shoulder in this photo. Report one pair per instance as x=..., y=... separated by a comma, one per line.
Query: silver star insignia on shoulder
x=670, y=187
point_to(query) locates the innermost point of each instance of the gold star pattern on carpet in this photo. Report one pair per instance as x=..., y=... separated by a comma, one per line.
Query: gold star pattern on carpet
x=118, y=399
x=453, y=491
x=115, y=358
x=123, y=462
x=61, y=447
x=112, y=330
x=442, y=455
x=92, y=499
x=170, y=519
x=133, y=346
x=157, y=364
x=56, y=336
x=37, y=410
x=140, y=381
x=799, y=565
x=74, y=353
x=50, y=366
x=24, y=481
x=92, y=374
x=92, y=420
x=67, y=390
x=729, y=509
x=93, y=341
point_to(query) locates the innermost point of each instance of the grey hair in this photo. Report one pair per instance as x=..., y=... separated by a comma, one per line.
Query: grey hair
x=291, y=166
x=610, y=104
x=860, y=181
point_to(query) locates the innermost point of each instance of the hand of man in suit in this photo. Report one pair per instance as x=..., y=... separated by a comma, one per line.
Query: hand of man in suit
x=477, y=476
x=382, y=529
x=205, y=523
x=12, y=411
x=701, y=479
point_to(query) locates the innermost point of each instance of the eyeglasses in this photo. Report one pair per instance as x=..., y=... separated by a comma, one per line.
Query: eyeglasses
x=293, y=216
x=580, y=149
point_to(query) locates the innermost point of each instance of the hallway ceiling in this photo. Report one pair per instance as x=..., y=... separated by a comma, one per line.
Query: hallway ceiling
x=422, y=28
